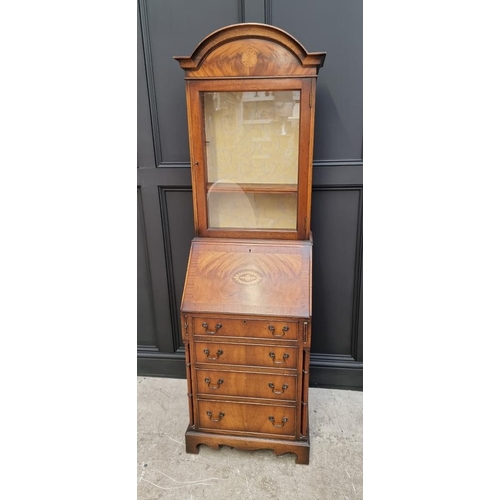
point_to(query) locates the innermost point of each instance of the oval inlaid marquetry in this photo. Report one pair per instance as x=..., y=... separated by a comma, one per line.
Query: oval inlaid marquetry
x=249, y=58
x=247, y=277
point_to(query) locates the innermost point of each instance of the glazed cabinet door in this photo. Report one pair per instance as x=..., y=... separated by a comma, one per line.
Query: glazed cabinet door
x=250, y=170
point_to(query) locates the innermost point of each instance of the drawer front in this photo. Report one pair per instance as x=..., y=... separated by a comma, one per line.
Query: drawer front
x=250, y=328
x=250, y=385
x=245, y=354
x=245, y=417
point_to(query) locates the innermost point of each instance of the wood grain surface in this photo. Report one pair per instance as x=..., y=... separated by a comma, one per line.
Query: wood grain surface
x=251, y=57
x=239, y=277
x=251, y=50
x=246, y=384
x=247, y=296
x=246, y=328
x=279, y=446
x=246, y=354
x=198, y=141
x=247, y=417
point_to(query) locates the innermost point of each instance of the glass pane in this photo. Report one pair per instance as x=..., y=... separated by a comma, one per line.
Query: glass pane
x=248, y=210
x=252, y=150
x=252, y=137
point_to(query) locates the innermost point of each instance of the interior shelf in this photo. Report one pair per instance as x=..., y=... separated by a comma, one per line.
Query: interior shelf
x=222, y=187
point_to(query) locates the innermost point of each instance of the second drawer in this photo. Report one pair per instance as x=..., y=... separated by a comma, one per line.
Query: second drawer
x=246, y=354
x=250, y=385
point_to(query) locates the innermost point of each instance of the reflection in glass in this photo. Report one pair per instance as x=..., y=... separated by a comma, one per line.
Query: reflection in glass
x=252, y=147
x=249, y=210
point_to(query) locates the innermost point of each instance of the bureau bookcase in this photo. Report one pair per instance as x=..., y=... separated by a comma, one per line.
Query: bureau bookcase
x=246, y=306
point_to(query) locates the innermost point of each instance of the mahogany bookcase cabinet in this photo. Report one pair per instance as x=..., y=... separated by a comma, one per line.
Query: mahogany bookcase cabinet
x=246, y=306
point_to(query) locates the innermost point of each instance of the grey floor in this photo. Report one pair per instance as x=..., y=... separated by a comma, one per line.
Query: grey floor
x=165, y=471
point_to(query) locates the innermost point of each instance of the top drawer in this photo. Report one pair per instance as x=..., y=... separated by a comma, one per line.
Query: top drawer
x=248, y=328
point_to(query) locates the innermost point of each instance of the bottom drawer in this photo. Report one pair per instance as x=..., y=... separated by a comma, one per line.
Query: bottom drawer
x=247, y=417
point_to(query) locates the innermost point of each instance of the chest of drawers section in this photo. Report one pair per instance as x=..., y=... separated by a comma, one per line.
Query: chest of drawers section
x=248, y=382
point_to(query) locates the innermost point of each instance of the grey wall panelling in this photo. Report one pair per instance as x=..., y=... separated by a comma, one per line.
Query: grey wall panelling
x=165, y=214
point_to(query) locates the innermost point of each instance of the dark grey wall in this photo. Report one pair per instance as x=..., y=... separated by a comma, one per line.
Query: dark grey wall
x=165, y=214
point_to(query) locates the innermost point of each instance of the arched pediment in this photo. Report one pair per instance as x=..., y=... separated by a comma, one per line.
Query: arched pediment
x=250, y=50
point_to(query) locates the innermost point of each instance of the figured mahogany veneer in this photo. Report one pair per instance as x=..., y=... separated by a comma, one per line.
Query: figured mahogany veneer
x=246, y=306
x=251, y=58
x=248, y=278
x=245, y=354
x=214, y=383
x=250, y=50
x=254, y=418
x=248, y=363
x=247, y=328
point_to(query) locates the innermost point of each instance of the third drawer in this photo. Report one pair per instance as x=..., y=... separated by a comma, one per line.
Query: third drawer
x=245, y=384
